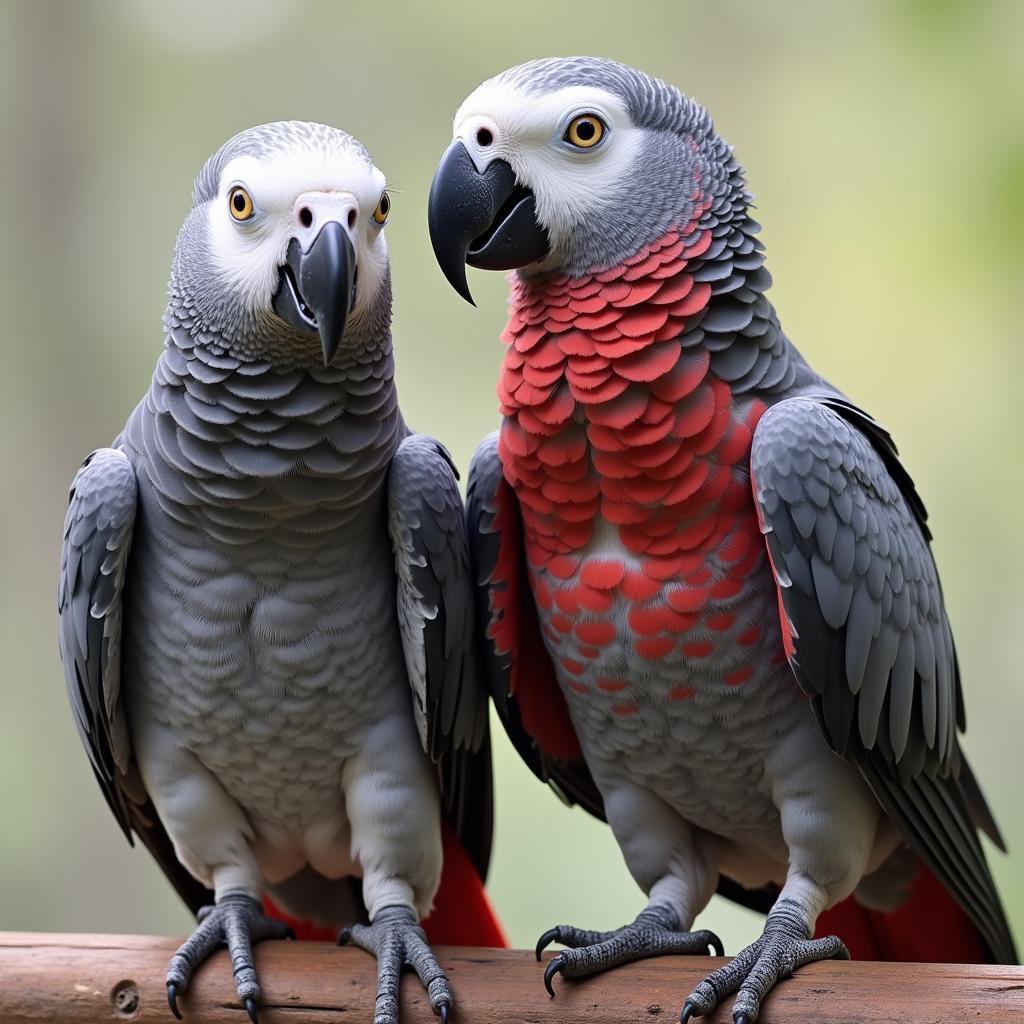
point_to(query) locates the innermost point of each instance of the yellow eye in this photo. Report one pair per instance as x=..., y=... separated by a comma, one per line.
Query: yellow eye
x=383, y=209
x=240, y=203
x=585, y=131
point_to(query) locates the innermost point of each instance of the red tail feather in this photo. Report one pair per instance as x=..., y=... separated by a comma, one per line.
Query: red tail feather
x=929, y=928
x=462, y=915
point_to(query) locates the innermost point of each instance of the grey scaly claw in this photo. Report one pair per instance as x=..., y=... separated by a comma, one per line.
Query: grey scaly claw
x=237, y=921
x=655, y=932
x=396, y=939
x=784, y=946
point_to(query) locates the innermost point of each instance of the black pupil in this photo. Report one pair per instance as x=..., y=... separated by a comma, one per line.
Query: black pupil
x=385, y=205
x=239, y=202
x=586, y=130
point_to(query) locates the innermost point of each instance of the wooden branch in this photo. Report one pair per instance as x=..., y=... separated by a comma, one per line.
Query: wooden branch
x=87, y=979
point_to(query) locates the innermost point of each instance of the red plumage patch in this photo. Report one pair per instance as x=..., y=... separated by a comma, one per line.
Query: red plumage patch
x=593, y=600
x=603, y=574
x=682, y=693
x=636, y=586
x=599, y=634
x=699, y=247
x=515, y=630
x=654, y=647
x=607, y=413
x=650, y=363
x=741, y=675
x=625, y=709
x=576, y=343
x=749, y=636
x=698, y=649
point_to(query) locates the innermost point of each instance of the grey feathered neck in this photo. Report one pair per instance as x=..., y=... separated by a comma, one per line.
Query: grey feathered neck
x=202, y=318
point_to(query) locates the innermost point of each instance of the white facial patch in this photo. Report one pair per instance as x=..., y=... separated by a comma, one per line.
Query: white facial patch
x=527, y=129
x=249, y=253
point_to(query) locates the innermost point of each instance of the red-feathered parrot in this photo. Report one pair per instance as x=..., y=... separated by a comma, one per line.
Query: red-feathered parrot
x=713, y=613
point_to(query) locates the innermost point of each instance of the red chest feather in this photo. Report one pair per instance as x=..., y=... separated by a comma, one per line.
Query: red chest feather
x=612, y=413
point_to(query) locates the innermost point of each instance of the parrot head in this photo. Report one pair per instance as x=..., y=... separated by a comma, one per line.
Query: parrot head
x=571, y=164
x=283, y=251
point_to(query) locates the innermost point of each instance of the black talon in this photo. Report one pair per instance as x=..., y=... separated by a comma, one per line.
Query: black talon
x=344, y=936
x=741, y=1018
x=715, y=943
x=172, y=999
x=545, y=940
x=250, y=1008
x=289, y=933
x=443, y=1013
x=550, y=971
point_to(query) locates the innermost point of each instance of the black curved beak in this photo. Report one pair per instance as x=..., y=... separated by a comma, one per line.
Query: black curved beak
x=484, y=220
x=317, y=288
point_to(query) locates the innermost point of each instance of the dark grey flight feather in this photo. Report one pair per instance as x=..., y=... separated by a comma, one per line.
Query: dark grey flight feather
x=97, y=542
x=872, y=644
x=436, y=616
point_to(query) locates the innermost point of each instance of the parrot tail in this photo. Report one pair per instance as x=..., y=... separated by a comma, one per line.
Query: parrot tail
x=930, y=927
x=462, y=914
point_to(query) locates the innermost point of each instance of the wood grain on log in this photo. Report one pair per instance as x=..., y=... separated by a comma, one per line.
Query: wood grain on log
x=87, y=979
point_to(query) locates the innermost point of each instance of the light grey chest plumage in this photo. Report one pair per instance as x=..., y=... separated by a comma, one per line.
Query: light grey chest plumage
x=262, y=627
x=695, y=725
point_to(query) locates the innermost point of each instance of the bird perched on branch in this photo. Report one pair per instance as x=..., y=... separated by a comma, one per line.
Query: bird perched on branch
x=712, y=610
x=265, y=606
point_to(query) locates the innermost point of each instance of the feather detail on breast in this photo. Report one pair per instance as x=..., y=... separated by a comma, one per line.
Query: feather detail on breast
x=613, y=413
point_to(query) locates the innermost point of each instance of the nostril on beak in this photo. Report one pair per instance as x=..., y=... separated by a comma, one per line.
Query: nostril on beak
x=484, y=137
x=305, y=216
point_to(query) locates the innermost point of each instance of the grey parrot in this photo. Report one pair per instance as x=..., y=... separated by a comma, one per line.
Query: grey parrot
x=711, y=607
x=265, y=608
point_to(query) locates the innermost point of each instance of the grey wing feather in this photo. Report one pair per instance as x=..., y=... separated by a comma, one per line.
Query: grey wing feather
x=871, y=643
x=435, y=614
x=94, y=561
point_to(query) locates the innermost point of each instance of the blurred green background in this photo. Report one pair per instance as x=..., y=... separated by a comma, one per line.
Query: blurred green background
x=884, y=139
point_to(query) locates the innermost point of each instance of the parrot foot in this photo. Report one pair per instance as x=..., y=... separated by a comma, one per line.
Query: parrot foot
x=655, y=932
x=397, y=941
x=782, y=948
x=238, y=921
